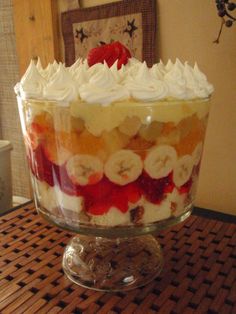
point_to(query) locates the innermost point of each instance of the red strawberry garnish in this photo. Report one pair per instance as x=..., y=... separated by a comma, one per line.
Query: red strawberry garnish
x=109, y=53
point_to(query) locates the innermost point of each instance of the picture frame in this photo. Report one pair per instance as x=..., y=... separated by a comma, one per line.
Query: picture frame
x=132, y=22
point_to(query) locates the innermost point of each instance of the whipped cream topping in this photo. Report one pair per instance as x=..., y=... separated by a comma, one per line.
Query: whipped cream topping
x=80, y=75
x=75, y=66
x=144, y=86
x=49, y=71
x=100, y=84
x=176, y=80
x=103, y=88
x=61, y=86
x=39, y=66
x=32, y=83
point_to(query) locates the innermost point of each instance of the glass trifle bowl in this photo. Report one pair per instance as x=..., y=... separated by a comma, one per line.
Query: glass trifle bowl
x=114, y=173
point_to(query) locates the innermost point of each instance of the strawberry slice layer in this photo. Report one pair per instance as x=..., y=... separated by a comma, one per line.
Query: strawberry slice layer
x=109, y=53
x=155, y=189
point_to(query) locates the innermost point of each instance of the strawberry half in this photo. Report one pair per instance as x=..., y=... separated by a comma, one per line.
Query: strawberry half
x=109, y=53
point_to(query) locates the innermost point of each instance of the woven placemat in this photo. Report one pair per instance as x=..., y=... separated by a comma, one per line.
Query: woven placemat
x=199, y=275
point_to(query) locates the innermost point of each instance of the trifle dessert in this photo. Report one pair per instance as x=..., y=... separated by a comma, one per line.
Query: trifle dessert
x=111, y=142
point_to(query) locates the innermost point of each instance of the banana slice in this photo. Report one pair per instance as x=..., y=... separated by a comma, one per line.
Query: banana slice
x=123, y=167
x=84, y=169
x=160, y=161
x=183, y=170
x=197, y=153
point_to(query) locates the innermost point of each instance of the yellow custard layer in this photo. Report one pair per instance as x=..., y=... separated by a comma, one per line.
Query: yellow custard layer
x=99, y=118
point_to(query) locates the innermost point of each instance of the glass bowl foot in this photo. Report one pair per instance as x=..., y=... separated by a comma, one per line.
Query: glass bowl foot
x=117, y=264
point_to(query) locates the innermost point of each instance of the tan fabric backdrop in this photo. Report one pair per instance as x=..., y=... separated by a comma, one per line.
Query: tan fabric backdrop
x=9, y=119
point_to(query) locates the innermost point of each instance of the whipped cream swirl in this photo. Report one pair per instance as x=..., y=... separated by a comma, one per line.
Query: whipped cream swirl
x=61, y=87
x=100, y=84
x=144, y=86
x=81, y=75
x=31, y=84
x=176, y=80
x=102, y=88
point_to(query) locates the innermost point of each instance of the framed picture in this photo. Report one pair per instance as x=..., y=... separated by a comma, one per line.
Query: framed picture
x=132, y=22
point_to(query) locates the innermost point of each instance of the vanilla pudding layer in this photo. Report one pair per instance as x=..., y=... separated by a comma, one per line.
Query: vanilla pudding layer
x=99, y=118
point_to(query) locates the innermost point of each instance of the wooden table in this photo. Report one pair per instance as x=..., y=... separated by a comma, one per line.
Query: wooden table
x=199, y=275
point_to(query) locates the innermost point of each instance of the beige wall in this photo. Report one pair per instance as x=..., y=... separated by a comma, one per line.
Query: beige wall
x=186, y=29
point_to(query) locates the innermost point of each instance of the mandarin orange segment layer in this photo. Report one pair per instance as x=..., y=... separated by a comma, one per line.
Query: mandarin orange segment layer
x=190, y=141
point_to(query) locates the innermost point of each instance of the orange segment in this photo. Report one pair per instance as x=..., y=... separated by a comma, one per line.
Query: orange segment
x=188, y=124
x=39, y=129
x=88, y=143
x=77, y=124
x=138, y=143
x=54, y=151
x=167, y=128
x=189, y=142
x=42, y=123
x=84, y=143
x=140, y=146
x=68, y=140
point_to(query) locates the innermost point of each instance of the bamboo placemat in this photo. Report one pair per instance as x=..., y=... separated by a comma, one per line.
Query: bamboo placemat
x=199, y=275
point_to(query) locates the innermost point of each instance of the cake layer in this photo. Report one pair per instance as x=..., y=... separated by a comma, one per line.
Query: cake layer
x=53, y=200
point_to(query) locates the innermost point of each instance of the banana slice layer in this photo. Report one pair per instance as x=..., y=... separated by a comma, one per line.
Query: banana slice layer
x=123, y=167
x=84, y=169
x=160, y=161
x=197, y=153
x=183, y=170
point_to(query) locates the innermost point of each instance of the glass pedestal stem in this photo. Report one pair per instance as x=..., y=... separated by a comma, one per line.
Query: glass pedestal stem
x=112, y=264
